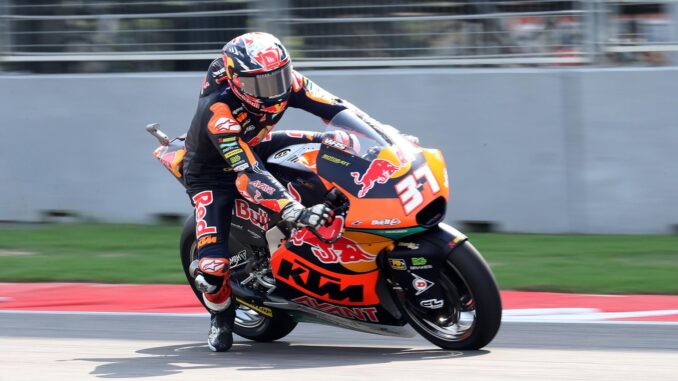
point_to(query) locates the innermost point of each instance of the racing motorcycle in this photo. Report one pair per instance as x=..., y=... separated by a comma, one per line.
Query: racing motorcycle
x=384, y=265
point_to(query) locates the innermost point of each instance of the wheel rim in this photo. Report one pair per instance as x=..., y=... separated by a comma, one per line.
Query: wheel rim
x=463, y=320
x=244, y=316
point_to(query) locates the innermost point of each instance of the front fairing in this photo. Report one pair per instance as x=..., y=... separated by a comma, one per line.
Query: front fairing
x=389, y=181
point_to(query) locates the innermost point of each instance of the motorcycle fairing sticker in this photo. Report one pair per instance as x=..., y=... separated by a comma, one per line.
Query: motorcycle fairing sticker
x=344, y=250
x=323, y=284
x=362, y=178
x=378, y=172
x=366, y=314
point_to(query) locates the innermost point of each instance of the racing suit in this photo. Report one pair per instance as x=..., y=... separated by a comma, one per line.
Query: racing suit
x=225, y=144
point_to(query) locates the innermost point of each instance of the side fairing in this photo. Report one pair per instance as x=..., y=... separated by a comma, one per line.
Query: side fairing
x=341, y=279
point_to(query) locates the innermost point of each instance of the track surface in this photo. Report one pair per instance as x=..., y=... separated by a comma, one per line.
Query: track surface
x=57, y=332
x=48, y=346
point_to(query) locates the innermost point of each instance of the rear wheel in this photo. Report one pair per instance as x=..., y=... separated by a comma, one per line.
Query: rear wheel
x=471, y=292
x=249, y=323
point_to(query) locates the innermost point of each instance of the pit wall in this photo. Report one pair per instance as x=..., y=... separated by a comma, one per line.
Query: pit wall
x=543, y=151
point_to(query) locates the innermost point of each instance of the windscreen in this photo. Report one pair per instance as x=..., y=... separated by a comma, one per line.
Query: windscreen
x=357, y=156
x=354, y=135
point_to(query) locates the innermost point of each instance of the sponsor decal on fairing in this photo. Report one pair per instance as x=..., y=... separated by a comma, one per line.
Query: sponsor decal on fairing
x=309, y=279
x=356, y=313
x=238, y=259
x=409, y=245
x=420, y=284
x=379, y=171
x=282, y=153
x=343, y=250
x=335, y=160
x=386, y=222
x=397, y=264
x=418, y=261
x=432, y=304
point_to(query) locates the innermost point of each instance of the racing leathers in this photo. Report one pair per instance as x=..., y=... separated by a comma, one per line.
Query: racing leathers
x=225, y=144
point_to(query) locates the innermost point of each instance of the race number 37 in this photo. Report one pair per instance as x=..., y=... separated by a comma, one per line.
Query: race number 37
x=408, y=188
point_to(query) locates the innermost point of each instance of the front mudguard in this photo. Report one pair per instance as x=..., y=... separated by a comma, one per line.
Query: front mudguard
x=415, y=263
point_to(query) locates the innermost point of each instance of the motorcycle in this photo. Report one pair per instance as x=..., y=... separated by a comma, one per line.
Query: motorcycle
x=384, y=265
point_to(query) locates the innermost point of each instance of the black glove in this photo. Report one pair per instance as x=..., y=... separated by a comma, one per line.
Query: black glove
x=313, y=217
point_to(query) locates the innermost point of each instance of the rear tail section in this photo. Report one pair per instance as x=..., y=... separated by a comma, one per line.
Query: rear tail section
x=171, y=152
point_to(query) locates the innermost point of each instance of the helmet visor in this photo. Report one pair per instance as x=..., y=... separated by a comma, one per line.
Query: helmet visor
x=268, y=85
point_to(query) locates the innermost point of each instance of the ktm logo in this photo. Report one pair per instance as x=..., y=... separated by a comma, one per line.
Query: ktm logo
x=319, y=284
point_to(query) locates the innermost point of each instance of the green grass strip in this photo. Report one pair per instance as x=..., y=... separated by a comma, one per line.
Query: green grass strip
x=149, y=254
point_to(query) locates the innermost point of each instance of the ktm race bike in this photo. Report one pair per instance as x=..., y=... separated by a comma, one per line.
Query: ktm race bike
x=384, y=264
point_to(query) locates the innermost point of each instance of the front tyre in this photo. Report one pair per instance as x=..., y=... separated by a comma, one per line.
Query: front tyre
x=472, y=290
x=249, y=324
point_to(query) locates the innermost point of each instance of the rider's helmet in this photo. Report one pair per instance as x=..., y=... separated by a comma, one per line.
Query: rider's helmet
x=259, y=72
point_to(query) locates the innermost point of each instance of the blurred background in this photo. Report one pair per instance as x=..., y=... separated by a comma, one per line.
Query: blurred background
x=554, y=116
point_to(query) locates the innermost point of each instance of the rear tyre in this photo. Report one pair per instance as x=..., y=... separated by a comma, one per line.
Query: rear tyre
x=473, y=292
x=249, y=324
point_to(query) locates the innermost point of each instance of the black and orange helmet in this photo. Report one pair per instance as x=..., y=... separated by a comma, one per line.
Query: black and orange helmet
x=259, y=71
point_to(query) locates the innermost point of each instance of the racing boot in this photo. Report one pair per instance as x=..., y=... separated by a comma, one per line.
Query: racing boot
x=220, y=337
x=212, y=278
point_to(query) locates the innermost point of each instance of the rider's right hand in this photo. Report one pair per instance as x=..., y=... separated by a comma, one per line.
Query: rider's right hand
x=314, y=217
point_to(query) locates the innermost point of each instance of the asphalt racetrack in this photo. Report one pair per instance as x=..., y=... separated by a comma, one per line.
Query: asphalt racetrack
x=79, y=346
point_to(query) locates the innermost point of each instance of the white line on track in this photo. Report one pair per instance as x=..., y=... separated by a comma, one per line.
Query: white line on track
x=542, y=315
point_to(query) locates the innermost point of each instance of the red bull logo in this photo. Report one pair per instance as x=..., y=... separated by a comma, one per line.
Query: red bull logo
x=343, y=250
x=379, y=171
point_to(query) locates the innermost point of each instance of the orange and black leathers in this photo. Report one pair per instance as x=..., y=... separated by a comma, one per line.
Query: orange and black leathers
x=223, y=147
x=220, y=142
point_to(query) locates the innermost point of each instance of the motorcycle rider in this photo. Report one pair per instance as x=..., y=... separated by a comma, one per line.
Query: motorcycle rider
x=244, y=94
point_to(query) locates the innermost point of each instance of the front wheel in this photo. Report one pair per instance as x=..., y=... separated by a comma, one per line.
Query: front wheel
x=471, y=290
x=249, y=323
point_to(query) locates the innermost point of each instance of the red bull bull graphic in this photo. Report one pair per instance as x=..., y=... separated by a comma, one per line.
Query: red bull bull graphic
x=379, y=171
x=343, y=250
